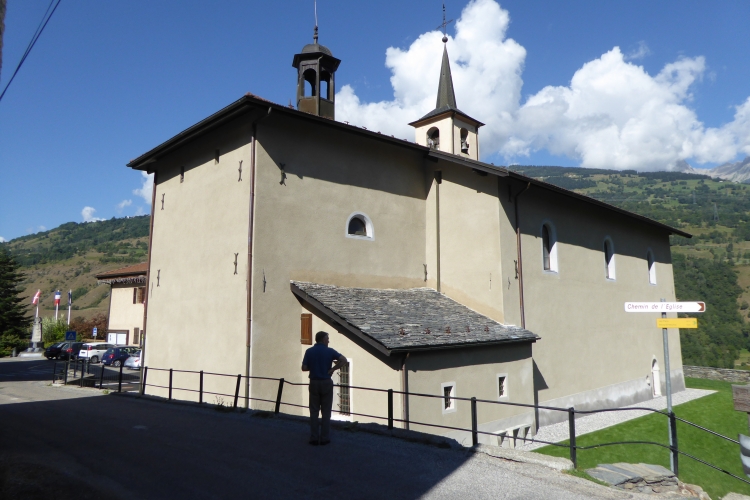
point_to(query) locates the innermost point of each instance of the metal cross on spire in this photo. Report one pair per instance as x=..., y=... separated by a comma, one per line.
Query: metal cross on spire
x=444, y=25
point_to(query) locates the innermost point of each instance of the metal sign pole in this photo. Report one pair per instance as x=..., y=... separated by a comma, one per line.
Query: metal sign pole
x=668, y=380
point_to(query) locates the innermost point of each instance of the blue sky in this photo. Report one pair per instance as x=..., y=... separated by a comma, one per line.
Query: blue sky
x=108, y=81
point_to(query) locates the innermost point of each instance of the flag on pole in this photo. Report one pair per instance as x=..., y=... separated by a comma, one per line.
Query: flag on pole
x=57, y=298
x=70, y=297
x=35, y=300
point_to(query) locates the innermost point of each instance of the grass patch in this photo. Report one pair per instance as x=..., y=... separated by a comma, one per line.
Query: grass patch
x=715, y=412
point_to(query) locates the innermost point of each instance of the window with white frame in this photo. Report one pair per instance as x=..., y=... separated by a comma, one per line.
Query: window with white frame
x=345, y=401
x=609, y=259
x=549, y=248
x=448, y=402
x=359, y=226
x=651, y=267
x=502, y=386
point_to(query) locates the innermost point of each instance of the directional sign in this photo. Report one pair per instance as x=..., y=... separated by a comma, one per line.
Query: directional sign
x=677, y=323
x=71, y=335
x=658, y=307
x=95, y=332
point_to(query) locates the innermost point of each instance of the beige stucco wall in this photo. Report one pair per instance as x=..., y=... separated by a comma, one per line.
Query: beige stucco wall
x=123, y=314
x=588, y=341
x=197, y=303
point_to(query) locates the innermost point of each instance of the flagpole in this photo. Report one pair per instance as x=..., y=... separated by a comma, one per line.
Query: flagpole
x=70, y=295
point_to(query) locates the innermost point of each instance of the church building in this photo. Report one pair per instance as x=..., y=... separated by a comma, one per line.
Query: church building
x=433, y=272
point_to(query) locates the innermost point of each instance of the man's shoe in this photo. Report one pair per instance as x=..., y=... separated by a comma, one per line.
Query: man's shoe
x=325, y=442
x=314, y=442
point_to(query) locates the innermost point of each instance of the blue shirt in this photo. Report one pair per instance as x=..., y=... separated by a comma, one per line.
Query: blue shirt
x=318, y=360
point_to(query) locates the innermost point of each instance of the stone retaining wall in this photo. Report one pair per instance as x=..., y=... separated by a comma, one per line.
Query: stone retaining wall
x=724, y=374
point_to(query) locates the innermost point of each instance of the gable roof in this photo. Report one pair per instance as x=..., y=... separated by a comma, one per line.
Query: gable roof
x=130, y=274
x=258, y=107
x=416, y=319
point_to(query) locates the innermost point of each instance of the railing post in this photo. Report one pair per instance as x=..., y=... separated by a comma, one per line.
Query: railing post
x=54, y=372
x=237, y=390
x=170, y=384
x=101, y=375
x=674, y=448
x=390, y=409
x=143, y=380
x=119, y=380
x=82, y=367
x=278, y=396
x=572, y=439
x=67, y=367
x=474, y=434
x=75, y=367
x=200, y=389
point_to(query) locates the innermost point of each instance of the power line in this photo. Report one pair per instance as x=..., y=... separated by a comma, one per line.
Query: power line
x=42, y=24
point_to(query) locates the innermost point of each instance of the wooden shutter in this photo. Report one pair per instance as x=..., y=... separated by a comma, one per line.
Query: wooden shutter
x=306, y=329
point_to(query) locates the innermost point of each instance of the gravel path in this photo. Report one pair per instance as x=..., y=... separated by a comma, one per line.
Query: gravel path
x=597, y=421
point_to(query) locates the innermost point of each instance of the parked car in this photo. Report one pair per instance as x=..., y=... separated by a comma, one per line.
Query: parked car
x=53, y=351
x=70, y=350
x=115, y=356
x=93, y=351
x=134, y=361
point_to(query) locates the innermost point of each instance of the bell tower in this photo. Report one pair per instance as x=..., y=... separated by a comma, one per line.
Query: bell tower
x=316, y=89
x=447, y=128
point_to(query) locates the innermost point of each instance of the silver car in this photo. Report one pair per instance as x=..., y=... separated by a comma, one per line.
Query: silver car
x=134, y=361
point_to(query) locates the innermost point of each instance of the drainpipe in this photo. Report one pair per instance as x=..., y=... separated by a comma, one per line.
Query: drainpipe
x=438, y=181
x=518, y=252
x=251, y=224
x=148, y=278
x=405, y=390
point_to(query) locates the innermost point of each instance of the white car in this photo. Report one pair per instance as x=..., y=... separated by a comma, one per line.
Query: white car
x=134, y=361
x=93, y=351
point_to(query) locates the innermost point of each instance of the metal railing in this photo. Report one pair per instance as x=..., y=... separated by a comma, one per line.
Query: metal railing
x=81, y=372
x=474, y=430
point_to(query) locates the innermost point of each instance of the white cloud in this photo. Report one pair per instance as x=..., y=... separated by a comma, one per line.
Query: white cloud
x=2, y=240
x=639, y=53
x=147, y=186
x=123, y=204
x=139, y=211
x=88, y=214
x=41, y=228
x=613, y=114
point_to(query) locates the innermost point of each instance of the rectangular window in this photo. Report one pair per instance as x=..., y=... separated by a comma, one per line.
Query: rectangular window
x=306, y=329
x=448, y=402
x=136, y=336
x=502, y=385
x=345, y=402
x=139, y=295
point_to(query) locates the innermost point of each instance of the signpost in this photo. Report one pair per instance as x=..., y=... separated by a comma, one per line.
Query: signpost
x=94, y=332
x=664, y=307
x=70, y=335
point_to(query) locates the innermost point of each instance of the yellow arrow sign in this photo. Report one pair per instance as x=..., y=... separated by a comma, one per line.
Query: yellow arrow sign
x=677, y=323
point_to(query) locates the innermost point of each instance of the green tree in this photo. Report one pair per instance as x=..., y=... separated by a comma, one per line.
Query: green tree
x=14, y=321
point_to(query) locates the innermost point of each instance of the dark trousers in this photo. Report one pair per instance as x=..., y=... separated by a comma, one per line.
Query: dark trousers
x=321, y=400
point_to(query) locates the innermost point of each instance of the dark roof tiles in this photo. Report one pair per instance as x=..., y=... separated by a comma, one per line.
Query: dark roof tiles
x=410, y=319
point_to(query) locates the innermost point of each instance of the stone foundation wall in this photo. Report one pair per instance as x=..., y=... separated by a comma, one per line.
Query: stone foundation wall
x=724, y=374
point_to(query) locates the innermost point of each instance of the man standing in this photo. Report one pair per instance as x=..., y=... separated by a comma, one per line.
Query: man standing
x=318, y=360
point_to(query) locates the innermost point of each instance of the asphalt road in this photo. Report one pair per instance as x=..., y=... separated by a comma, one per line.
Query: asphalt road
x=65, y=442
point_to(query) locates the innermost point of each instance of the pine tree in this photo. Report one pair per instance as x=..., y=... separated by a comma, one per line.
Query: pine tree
x=14, y=323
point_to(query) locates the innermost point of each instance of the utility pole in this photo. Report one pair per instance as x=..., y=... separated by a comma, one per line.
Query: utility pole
x=716, y=214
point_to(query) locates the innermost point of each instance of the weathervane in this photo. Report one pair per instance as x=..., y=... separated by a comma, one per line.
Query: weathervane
x=315, y=34
x=443, y=26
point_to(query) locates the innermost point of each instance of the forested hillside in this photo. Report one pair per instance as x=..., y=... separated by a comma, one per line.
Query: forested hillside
x=71, y=255
x=713, y=266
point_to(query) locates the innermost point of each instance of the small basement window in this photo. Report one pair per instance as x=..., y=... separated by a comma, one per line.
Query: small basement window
x=502, y=385
x=359, y=226
x=448, y=401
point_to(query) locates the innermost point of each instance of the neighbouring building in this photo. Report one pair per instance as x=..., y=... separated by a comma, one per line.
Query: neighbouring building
x=432, y=271
x=125, y=325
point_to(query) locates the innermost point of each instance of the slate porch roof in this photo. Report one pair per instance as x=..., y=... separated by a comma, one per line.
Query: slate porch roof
x=408, y=320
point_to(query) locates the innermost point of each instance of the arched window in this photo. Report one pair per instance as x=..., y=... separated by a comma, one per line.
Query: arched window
x=433, y=138
x=549, y=248
x=358, y=225
x=464, y=141
x=651, y=267
x=310, y=86
x=609, y=259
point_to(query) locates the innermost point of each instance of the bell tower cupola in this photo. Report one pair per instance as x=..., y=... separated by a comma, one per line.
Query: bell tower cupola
x=316, y=89
x=447, y=128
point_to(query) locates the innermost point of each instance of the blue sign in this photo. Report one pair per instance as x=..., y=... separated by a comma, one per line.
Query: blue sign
x=71, y=335
x=95, y=331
